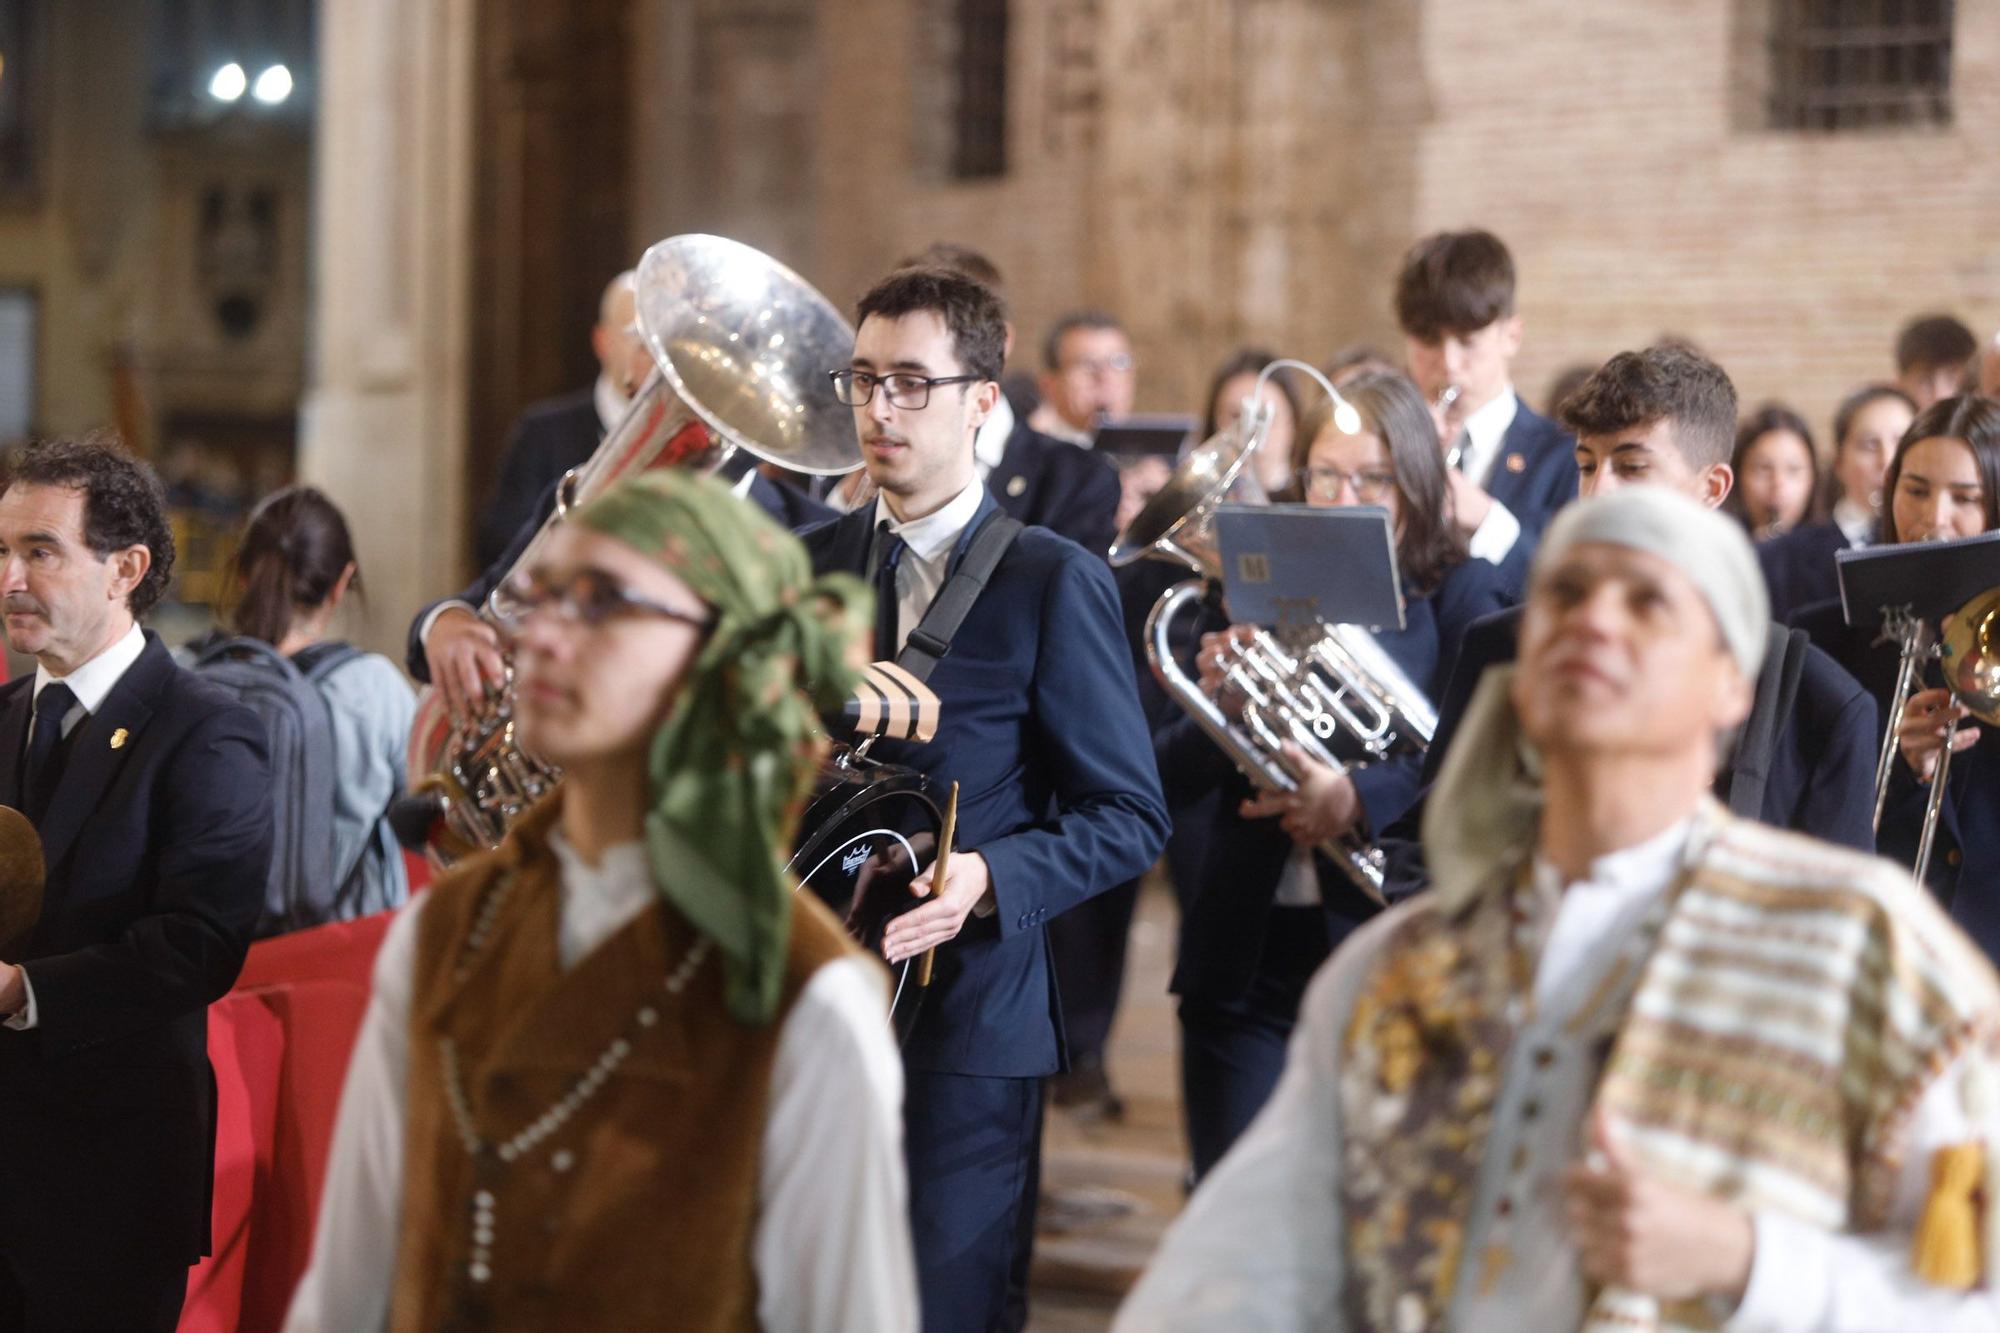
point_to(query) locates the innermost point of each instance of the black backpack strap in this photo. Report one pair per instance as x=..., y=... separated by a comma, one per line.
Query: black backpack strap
x=931, y=639
x=1777, y=697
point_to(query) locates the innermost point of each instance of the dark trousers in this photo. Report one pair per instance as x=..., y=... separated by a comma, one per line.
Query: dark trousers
x=131, y=1298
x=974, y=1147
x=1233, y=1050
x=1087, y=944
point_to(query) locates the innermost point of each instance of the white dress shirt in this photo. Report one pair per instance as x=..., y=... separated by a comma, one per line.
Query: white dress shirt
x=832, y=1242
x=91, y=683
x=611, y=405
x=989, y=444
x=1855, y=520
x=1260, y=1247
x=1485, y=432
x=930, y=541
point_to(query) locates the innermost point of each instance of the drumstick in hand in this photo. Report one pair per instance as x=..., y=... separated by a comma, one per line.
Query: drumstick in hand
x=938, y=867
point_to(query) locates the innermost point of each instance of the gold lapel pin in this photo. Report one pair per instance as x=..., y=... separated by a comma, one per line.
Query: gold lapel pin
x=1516, y=463
x=118, y=738
x=1017, y=486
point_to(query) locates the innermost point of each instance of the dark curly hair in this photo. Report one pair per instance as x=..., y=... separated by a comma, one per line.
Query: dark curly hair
x=123, y=502
x=1667, y=381
x=974, y=315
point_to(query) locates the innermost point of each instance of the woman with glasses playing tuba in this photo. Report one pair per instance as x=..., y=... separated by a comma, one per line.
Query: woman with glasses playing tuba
x=1265, y=909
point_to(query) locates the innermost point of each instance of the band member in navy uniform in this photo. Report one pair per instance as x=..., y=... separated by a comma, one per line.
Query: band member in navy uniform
x=1799, y=566
x=150, y=788
x=1666, y=416
x=1943, y=484
x=1040, y=727
x=1267, y=909
x=1511, y=467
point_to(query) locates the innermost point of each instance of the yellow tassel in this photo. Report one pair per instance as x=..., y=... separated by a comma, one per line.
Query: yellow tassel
x=1947, y=1242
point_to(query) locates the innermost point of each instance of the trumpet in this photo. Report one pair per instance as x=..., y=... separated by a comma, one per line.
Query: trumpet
x=1308, y=687
x=1969, y=653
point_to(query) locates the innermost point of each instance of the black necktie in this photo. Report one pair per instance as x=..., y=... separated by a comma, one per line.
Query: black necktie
x=889, y=554
x=52, y=705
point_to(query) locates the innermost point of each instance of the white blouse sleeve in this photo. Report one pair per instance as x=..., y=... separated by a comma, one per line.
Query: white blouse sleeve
x=1805, y=1280
x=346, y=1286
x=832, y=1248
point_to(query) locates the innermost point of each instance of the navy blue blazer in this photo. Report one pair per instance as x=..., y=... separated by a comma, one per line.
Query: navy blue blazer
x=157, y=842
x=548, y=439
x=1534, y=475
x=789, y=505
x=1040, y=727
x=1057, y=485
x=1822, y=778
x=1227, y=868
x=1799, y=567
x=1964, y=871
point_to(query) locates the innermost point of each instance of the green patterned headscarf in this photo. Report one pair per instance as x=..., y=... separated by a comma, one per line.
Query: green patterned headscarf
x=735, y=758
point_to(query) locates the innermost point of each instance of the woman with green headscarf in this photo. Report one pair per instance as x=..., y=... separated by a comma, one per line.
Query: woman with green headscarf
x=616, y=1073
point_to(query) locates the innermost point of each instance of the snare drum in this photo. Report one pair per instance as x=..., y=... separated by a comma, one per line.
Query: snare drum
x=870, y=829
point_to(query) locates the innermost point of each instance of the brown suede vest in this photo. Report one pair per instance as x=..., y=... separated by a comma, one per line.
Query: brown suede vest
x=640, y=1211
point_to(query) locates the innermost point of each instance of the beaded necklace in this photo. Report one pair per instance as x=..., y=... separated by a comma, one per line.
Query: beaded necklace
x=484, y=1152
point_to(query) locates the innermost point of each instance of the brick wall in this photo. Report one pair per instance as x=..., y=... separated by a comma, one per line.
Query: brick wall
x=1227, y=170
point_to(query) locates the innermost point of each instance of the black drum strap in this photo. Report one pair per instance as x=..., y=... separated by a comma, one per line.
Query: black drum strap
x=931, y=639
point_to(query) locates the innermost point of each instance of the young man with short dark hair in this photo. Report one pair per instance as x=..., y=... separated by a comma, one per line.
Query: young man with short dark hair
x=1041, y=730
x=1512, y=468
x=1666, y=416
x=1934, y=358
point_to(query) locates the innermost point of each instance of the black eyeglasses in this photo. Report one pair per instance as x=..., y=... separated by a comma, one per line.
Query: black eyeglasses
x=905, y=390
x=589, y=597
x=1371, y=485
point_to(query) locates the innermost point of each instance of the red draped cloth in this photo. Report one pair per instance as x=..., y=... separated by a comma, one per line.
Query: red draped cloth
x=279, y=1043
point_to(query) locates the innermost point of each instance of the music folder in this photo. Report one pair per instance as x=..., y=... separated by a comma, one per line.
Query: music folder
x=1297, y=566
x=1158, y=435
x=1929, y=579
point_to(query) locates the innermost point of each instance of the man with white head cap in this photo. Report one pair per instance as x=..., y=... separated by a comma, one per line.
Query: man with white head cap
x=1635, y=1063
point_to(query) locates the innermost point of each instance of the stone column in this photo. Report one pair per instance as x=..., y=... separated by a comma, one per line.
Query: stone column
x=383, y=429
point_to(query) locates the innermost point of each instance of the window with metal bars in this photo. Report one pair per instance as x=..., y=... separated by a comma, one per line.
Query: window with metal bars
x=979, y=147
x=1860, y=64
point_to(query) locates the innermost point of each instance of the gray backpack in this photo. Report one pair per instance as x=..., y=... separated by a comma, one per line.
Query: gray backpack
x=298, y=726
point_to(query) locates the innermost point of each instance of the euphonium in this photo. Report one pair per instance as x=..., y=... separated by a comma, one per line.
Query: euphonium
x=741, y=345
x=1335, y=680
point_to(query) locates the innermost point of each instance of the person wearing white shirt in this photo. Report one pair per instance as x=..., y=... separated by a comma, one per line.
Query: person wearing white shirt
x=592, y=1086
x=1510, y=467
x=1635, y=1063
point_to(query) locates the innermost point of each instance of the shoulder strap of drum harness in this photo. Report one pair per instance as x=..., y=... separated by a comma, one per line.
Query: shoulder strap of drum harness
x=931, y=639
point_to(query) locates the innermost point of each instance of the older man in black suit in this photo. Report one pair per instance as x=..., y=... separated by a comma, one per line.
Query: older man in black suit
x=553, y=436
x=150, y=789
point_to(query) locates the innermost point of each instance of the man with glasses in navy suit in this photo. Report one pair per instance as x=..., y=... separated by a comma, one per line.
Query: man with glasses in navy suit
x=1040, y=727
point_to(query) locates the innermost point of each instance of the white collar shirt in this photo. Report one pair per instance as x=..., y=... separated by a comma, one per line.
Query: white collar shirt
x=91, y=683
x=610, y=403
x=930, y=540
x=989, y=446
x=1855, y=520
x=1486, y=431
